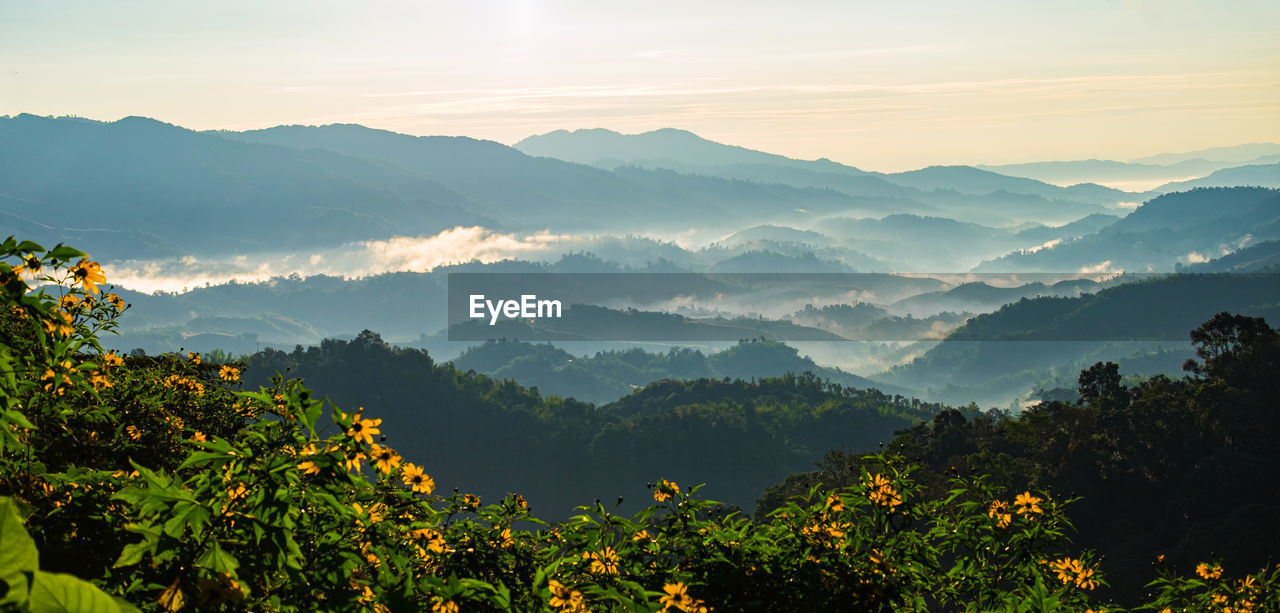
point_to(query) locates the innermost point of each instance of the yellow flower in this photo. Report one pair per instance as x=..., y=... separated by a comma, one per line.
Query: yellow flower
x=420, y=483
x=58, y=324
x=110, y=359
x=444, y=606
x=187, y=384
x=199, y=437
x=834, y=503
x=1084, y=579
x=30, y=265
x=504, y=538
x=1071, y=571
x=435, y=540
x=603, y=562
x=68, y=301
x=999, y=511
x=881, y=492
x=229, y=373
x=471, y=501
x=309, y=468
x=133, y=432
x=238, y=492
x=566, y=599
x=98, y=380
x=375, y=512
x=352, y=460
x=194, y=357
x=665, y=490
x=560, y=594
x=676, y=595
x=116, y=301
x=385, y=458
x=642, y=535
x=1025, y=503
x=88, y=274
x=366, y=593
x=1065, y=569
x=364, y=429
x=1208, y=572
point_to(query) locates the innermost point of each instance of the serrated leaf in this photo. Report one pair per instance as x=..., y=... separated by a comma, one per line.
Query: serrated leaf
x=186, y=514
x=217, y=560
x=201, y=458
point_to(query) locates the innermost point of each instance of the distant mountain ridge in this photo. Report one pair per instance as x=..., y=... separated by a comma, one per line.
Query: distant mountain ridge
x=610, y=375
x=593, y=145
x=186, y=192
x=683, y=149
x=998, y=356
x=1256, y=175
x=1230, y=153
x=1167, y=231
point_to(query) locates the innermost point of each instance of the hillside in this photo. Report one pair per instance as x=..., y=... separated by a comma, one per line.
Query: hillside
x=1168, y=230
x=1168, y=469
x=494, y=437
x=537, y=191
x=609, y=375
x=178, y=192
x=997, y=357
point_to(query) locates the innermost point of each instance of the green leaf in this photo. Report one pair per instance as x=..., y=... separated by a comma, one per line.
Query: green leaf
x=186, y=514
x=124, y=606
x=131, y=554
x=61, y=593
x=18, y=555
x=63, y=252
x=217, y=560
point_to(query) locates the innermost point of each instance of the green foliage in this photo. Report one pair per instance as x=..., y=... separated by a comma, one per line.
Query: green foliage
x=167, y=484
x=24, y=585
x=1176, y=468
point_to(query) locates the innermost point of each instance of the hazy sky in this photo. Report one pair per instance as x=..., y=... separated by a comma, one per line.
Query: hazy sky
x=882, y=85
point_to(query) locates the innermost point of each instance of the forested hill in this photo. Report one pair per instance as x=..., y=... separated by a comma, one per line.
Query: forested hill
x=609, y=375
x=1180, y=469
x=1025, y=342
x=499, y=437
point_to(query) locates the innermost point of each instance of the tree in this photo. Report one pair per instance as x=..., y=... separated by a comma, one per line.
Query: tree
x=1100, y=385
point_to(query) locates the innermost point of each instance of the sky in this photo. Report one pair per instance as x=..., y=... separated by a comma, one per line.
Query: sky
x=882, y=86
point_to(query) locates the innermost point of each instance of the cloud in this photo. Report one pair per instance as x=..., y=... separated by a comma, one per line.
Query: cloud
x=459, y=245
x=1100, y=267
x=1041, y=247
x=353, y=260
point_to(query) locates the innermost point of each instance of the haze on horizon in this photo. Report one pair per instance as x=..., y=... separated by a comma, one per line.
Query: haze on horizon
x=879, y=86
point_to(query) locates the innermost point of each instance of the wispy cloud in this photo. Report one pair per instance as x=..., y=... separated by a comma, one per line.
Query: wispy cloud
x=928, y=103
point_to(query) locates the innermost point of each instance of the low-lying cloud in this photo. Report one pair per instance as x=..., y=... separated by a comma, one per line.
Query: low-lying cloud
x=353, y=260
